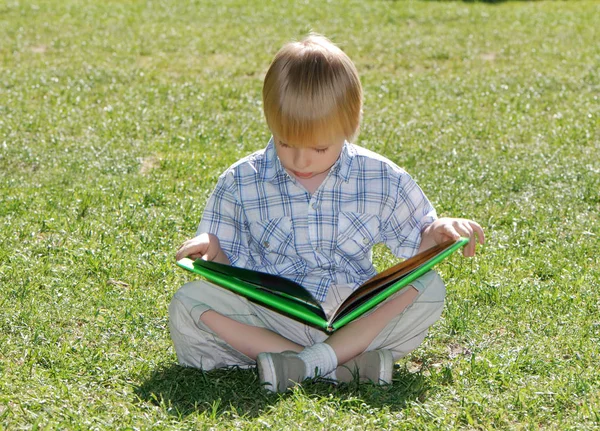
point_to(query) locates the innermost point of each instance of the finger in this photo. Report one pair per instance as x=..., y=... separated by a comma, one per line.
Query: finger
x=180, y=254
x=469, y=250
x=464, y=229
x=451, y=232
x=188, y=250
x=477, y=236
x=479, y=231
x=210, y=254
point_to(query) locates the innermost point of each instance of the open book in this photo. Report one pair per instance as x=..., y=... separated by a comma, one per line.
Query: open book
x=290, y=298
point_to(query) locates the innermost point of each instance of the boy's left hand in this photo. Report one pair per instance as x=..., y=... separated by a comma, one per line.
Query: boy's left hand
x=447, y=228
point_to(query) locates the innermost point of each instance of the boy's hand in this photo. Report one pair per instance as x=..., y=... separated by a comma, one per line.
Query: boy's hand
x=446, y=228
x=205, y=246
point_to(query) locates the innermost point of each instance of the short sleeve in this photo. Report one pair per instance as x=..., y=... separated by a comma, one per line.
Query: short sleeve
x=412, y=213
x=224, y=218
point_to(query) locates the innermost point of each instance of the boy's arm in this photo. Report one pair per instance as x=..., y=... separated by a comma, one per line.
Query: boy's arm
x=224, y=225
x=446, y=228
x=412, y=213
x=205, y=246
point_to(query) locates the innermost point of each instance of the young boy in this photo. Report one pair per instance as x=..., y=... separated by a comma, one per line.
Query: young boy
x=310, y=207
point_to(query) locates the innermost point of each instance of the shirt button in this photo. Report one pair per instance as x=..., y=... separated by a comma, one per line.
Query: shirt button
x=365, y=241
x=266, y=244
x=314, y=205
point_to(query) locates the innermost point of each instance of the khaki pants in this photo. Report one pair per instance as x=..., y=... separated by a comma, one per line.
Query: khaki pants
x=198, y=346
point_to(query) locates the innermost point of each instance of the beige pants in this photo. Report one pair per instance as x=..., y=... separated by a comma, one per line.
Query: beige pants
x=198, y=346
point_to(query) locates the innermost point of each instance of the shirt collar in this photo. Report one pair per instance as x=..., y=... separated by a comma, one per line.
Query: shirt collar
x=274, y=169
x=343, y=164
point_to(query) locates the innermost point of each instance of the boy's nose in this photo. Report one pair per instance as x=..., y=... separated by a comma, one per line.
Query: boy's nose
x=301, y=158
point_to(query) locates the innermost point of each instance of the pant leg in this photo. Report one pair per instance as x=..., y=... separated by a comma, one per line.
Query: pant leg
x=408, y=330
x=195, y=343
x=198, y=346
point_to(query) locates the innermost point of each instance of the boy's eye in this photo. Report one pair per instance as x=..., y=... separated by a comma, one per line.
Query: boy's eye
x=321, y=150
x=283, y=144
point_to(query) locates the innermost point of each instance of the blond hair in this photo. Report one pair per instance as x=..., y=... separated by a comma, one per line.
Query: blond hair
x=312, y=93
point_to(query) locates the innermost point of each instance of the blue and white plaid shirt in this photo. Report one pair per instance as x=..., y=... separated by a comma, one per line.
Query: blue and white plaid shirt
x=266, y=221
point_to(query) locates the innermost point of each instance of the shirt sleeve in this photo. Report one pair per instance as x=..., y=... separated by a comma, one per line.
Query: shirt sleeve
x=412, y=213
x=224, y=218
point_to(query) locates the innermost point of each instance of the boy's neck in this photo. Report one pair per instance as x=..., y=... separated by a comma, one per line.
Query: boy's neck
x=313, y=183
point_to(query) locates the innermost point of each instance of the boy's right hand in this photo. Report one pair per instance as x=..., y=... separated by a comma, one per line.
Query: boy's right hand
x=205, y=246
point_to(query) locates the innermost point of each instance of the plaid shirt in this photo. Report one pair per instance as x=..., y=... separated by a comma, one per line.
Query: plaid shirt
x=266, y=221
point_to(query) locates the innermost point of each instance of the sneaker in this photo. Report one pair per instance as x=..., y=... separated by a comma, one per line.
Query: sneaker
x=375, y=366
x=280, y=371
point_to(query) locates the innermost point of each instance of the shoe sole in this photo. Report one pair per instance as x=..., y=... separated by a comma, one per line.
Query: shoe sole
x=386, y=367
x=266, y=372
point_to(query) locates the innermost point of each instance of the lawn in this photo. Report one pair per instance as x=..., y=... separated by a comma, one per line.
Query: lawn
x=116, y=117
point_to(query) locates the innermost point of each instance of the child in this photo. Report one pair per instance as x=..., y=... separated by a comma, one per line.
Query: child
x=310, y=207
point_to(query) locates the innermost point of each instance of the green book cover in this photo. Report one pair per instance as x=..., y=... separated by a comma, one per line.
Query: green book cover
x=291, y=299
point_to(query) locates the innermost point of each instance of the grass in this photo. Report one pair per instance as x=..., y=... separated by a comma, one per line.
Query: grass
x=117, y=117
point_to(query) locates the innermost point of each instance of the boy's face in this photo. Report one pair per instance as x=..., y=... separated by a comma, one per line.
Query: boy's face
x=307, y=162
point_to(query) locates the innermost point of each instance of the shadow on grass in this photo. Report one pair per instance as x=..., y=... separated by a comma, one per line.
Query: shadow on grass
x=182, y=391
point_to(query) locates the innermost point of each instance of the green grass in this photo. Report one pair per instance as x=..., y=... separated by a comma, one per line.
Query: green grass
x=117, y=116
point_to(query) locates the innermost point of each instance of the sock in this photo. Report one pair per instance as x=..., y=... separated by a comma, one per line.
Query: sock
x=320, y=356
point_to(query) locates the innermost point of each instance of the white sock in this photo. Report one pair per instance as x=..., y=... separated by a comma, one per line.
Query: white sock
x=321, y=357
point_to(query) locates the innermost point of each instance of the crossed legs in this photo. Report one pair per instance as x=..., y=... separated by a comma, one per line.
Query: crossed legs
x=213, y=328
x=347, y=343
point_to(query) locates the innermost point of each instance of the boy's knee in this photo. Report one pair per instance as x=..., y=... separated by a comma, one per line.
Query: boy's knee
x=190, y=343
x=186, y=307
x=431, y=287
x=179, y=316
x=188, y=289
x=176, y=310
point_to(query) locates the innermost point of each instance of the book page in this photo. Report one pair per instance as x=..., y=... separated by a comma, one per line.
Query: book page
x=388, y=277
x=264, y=281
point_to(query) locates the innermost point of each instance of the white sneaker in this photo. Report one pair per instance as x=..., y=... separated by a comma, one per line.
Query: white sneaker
x=280, y=371
x=375, y=366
